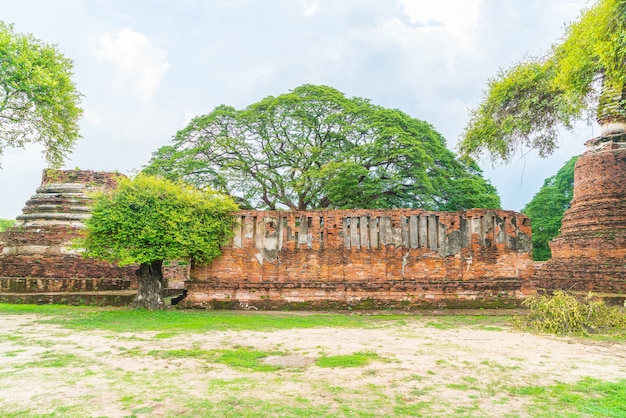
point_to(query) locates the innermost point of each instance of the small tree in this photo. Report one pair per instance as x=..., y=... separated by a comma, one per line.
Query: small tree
x=39, y=102
x=147, y=220
x=547, y=207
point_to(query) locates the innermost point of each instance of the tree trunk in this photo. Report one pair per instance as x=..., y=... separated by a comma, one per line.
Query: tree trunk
x=150, y=292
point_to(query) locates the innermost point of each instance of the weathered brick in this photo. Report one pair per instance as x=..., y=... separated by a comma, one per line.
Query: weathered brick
x=590, y=252
x=368, y=258
x=37, y=252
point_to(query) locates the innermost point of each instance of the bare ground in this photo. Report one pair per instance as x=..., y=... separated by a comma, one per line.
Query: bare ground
x=420, y=369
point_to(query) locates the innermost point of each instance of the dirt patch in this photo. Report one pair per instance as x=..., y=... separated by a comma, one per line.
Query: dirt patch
x=462, y=370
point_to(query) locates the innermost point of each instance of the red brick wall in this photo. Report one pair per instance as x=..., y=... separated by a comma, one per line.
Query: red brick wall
x=368, y=258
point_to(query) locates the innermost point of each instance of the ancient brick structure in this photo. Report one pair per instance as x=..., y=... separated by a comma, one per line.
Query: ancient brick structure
x=590, y=252
x=37, y=260
x=368, y=259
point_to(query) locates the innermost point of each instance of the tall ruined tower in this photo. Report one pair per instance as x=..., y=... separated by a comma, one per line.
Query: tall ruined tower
x=37, y=261
x=590, y=252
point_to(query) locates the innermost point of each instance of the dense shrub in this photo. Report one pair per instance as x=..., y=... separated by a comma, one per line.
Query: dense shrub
x=563, y=313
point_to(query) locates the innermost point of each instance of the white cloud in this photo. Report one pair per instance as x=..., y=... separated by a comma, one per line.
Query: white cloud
x=140, y=64
x=310, y=7
x=456, y=17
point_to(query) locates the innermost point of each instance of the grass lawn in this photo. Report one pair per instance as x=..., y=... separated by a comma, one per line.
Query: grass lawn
x=60, y=361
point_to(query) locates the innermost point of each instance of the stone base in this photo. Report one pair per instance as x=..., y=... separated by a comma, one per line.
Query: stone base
x=42, y=285
x=355, y=295
x=103, y=298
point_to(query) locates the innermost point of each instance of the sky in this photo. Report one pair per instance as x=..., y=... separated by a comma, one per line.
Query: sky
x=146, y=67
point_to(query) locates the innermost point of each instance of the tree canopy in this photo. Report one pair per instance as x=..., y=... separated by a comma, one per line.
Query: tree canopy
x=525, y=106
x=315, y=148
x=547, y=207
x=147, y=220
x=39, y=102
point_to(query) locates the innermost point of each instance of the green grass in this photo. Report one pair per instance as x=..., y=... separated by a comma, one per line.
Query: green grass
x=173, y=322
x=241, y=358
x=359, y=359
x=589, y=396
x=53, y=359
x=200, y=387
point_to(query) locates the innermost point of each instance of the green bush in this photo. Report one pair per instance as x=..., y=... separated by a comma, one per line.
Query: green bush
x=563, y=313
x=6, y=224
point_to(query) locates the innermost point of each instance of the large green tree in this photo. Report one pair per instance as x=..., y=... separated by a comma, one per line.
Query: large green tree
x=585, y=73
x=315, y=148
x=147, y=220
x=547, y=207
x=39, y=103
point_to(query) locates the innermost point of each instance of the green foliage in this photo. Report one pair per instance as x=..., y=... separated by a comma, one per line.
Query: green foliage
x=525, y=106
x=6, y=224
x=547, y=207
x=147, y=219
x=315, y=148
x=38, y=100
x=521, y=109
x=562, y=313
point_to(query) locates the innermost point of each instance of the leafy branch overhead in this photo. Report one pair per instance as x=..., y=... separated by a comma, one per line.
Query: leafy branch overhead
x=526, y=105
x=315, y=148
x=39, y=102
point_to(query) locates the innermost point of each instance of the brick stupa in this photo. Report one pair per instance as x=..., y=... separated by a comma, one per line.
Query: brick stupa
x=590, y=252
x=37, y=261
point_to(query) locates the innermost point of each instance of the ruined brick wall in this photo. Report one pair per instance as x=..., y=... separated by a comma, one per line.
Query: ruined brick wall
x=91, y=180
x=368, y=259
x=590, y=252
x=37, y=252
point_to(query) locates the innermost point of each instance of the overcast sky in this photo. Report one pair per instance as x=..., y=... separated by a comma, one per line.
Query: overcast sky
x=146, y=67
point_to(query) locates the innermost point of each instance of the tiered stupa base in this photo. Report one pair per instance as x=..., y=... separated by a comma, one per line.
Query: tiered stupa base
x=590, y=252
x=38, y=263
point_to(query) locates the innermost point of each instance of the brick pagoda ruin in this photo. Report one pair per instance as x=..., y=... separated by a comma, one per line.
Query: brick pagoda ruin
x=590, y=252
x=38, y=263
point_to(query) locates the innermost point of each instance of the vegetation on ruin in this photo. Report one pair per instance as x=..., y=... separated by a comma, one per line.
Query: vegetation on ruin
x=525, y=106
x=315, y=148
x=547, y=207
x=563, y=313
x=6, y=224
x=39, y=102
x=147, y=220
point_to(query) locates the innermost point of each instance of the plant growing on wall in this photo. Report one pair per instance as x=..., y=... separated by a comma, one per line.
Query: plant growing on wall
x=525, y=106
x=315, y=148
x=6, y=224
x=147, y=220
x=547, y=207
x=39, y=102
